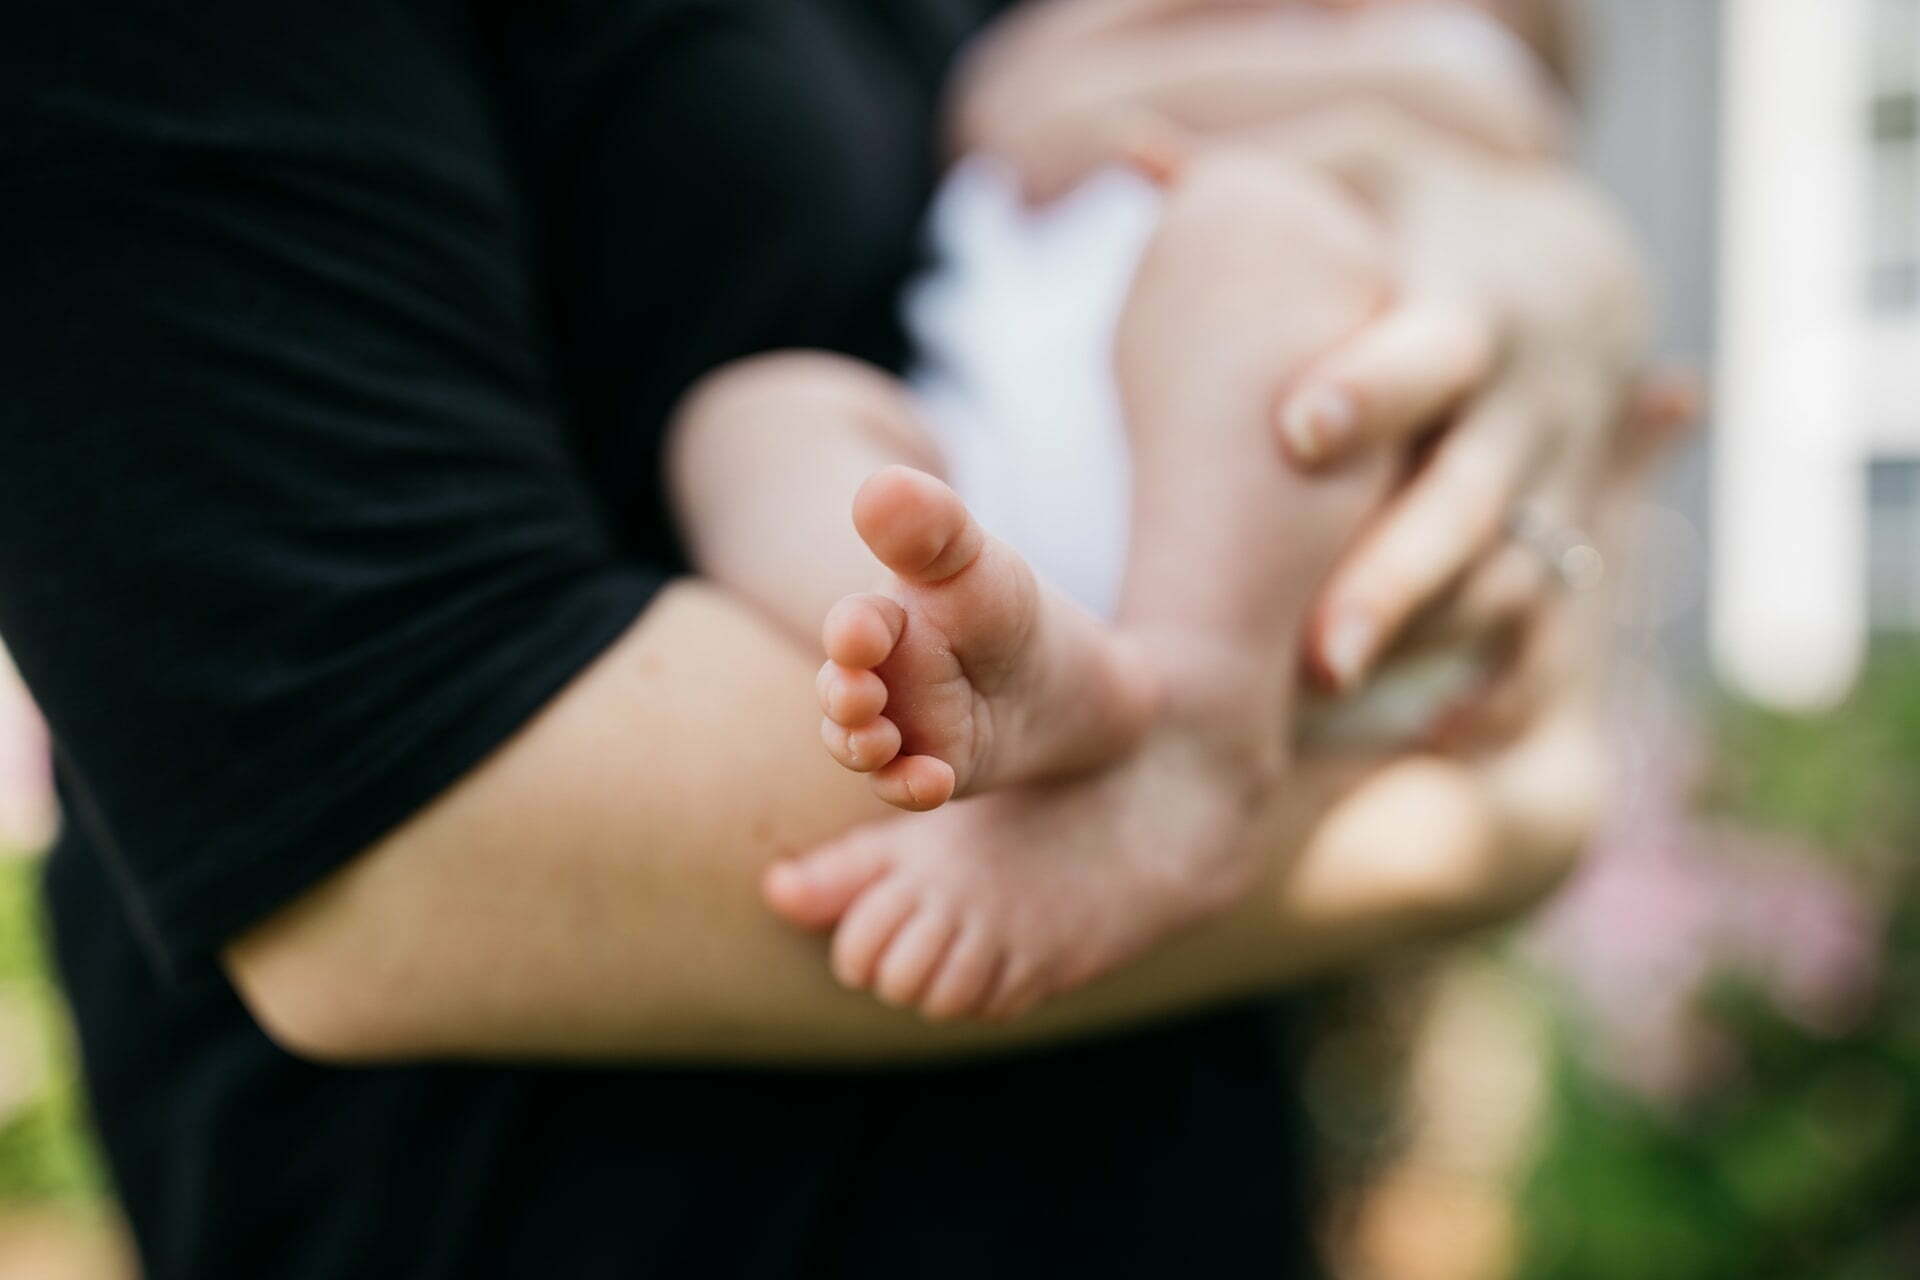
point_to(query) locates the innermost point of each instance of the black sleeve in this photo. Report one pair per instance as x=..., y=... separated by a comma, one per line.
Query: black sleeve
x=289, y=534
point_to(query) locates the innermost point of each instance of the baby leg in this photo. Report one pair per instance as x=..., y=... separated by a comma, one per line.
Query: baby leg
x=1253, y=272
x=962, y=669
x=1257, y=268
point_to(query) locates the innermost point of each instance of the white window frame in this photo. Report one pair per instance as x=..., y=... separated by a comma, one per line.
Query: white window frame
x=1893, y=266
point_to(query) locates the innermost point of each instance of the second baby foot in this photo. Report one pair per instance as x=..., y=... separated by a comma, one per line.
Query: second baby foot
x=991, y=906
x=965, y=672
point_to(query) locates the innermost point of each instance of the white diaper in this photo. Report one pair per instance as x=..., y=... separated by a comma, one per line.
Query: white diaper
x=1013, y=331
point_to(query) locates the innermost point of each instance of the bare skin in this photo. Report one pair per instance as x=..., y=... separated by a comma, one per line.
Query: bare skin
x=925, y=957
x=1054, y=87
x=547, y=908
x=967, y=653
x=588, y=893
x=1523, y=366
x=965, y=674
x=991, y=905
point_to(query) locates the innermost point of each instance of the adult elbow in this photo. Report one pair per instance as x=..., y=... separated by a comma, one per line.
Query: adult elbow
x=319, y=996
x=307, y=1028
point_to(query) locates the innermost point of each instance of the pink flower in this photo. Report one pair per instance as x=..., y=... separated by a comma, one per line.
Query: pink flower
x=1669, y=903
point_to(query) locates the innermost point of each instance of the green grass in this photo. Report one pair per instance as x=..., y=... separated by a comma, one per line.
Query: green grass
x=45, y=1152
x=1846, y=778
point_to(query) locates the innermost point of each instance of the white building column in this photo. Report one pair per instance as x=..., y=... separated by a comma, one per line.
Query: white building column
x=1789, y=617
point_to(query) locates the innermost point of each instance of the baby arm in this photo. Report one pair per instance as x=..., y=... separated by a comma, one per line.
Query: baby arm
x=951, y=667
x=763, y=460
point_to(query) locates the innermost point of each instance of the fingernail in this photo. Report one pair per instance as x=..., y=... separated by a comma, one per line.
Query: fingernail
x=1317, y=420
x=1349, y=643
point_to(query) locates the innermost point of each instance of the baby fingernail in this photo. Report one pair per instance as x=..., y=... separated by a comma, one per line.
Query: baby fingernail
x=1349, y=643
x=1317, y=420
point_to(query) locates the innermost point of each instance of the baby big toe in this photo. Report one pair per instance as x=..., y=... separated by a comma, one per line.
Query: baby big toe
x=815, y=890
x=916, y=525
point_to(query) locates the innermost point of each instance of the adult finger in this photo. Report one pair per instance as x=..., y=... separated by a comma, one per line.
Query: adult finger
x=1509, y=585
x=1454, y=508
x=1535, y=674
x=1391, y=381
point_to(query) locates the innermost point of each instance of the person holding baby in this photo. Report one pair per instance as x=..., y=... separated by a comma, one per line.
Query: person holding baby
x=495, y=564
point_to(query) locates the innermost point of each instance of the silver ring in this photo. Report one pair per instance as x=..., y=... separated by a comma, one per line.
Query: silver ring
x=1569, y=554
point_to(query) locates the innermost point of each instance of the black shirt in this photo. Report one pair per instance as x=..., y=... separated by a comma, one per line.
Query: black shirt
x=335, y=344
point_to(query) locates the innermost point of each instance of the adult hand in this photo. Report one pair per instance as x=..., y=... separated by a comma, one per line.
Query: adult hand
x=1555, y=645
x=1520, y=328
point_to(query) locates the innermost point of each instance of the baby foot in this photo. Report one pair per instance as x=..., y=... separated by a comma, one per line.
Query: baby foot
x=991, y=906
x=966, y=672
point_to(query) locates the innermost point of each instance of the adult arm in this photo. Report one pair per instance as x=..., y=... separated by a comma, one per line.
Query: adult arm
x=590, y=891
x=1059, y=88
x=1537, y=262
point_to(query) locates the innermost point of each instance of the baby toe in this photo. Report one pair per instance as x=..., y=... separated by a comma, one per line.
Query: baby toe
x=913, y=956
x=860, y=631
x=915, y=783
x=814, y=891
x=1020, y=987
x=867, y=928
x=965, y=978
x=873, y=745
x=850, y=696
x=915, y=524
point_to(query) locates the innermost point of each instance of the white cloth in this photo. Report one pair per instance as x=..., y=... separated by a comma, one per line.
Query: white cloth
x=1013, y=329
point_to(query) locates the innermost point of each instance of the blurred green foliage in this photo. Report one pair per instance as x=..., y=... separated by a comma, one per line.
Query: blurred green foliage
x=1804, y=1161
x=45, y=1153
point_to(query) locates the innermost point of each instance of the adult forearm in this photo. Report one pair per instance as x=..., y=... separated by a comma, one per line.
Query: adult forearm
x=1235, y=72
x=591, y=892
x=1060, y=89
